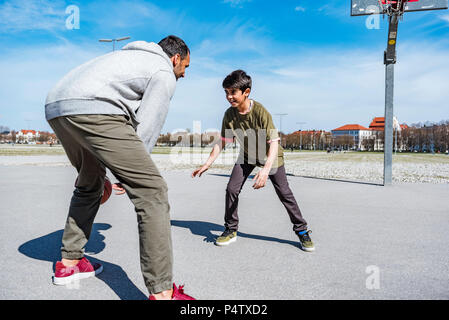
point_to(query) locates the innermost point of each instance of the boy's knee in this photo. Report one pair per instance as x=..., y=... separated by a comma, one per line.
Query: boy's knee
x=232, y=190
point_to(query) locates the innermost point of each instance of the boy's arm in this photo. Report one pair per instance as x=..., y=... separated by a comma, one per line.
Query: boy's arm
x=262, y=176
x=273, y=139
x=216, y=150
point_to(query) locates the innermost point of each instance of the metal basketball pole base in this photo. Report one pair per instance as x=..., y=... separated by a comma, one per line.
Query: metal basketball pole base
x=389, y=61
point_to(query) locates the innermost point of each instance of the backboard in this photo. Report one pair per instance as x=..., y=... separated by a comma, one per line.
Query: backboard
x=367, y=7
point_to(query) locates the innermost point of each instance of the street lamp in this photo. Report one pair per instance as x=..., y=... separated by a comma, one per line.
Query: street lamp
x=114, y=41
x=300, y=134
x=280, y=123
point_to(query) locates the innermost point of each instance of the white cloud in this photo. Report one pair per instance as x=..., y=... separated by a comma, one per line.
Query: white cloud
x=17, y=15
x=27, y=76
x=300, y=9
x=127, y=14
x=31, y=15
x=325, y=88
x=236, y=3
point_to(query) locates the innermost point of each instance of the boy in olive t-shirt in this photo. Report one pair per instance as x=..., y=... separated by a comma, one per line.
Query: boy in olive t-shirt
x=252, y=125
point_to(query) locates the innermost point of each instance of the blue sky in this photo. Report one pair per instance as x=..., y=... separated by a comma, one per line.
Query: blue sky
x=309, y=59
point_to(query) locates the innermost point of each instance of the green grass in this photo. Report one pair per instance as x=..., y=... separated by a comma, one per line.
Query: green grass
x=30, y=150
x=309, y=155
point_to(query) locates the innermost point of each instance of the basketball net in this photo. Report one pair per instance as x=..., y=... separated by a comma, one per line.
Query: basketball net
x=393, y=7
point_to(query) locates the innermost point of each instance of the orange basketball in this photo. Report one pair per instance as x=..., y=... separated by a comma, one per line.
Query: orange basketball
x=107, y=190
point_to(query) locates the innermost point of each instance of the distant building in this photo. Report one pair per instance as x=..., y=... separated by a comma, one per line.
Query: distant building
x=308, y=139
x=378, y=127
x=27, y=136
x=378, y=124
x=356, y=131
x=32, y=137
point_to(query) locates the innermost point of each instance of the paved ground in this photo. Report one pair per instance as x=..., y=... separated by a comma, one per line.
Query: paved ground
x=402, y=231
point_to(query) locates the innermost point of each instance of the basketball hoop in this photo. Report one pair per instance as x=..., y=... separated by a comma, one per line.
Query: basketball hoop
x=394, y=7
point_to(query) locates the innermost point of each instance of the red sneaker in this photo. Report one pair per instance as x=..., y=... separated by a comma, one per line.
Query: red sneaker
x=178, y=294
x=84, y=269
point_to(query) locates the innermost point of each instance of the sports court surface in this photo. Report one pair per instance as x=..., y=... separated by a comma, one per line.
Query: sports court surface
x=400, y=232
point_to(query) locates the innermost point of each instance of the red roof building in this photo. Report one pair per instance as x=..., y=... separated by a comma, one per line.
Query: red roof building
x=356, y=131
x=351, y=127
x=378, y=124
x=25, y=132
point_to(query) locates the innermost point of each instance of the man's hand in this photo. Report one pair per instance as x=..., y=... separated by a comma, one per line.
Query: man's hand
x=200, y=171
x=118, y=188
x=261, y=178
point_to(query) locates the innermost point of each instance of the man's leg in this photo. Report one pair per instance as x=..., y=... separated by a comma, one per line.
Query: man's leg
x=86, y=196
x=285, y=194
x=239, y=175
x=114, y=142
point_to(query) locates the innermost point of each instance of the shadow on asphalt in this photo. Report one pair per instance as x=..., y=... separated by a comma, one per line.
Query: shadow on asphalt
x=228, y=175
x=308, y=177
x=48, y=248
x=337, y=180
x=204, y=229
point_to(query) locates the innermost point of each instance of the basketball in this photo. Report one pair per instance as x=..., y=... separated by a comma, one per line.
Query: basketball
x=107, y=190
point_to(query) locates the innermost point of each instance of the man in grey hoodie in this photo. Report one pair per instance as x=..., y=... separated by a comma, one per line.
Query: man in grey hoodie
x=108, y=113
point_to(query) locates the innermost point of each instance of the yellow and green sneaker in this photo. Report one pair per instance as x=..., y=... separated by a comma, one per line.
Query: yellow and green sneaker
x=226, y=238
x=305, y=242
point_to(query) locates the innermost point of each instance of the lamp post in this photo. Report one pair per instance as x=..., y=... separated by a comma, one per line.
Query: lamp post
x=300, y=134
x=114, y=41
x=280, y=124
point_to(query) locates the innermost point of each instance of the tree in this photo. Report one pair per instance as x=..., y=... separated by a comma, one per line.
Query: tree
x=44, y=137
x=13, y=136
x=368, y=143
x=4, y=130
x=345, y=142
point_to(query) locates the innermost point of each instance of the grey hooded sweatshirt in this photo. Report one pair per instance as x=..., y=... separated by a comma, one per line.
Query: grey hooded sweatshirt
x=137, y=81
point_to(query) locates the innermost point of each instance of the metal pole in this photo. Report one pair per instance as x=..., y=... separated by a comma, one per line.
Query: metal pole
x=114, y=41
x=388, y=134
x=389, y=60
x=396, y=141
x=280, y=124
x=300, y=134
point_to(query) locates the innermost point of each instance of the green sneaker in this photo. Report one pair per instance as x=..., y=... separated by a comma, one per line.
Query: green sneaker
x=226, y=238
x=305, y=242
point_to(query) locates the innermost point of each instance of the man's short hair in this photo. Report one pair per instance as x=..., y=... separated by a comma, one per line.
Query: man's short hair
x=237, y=79
x=173, y=45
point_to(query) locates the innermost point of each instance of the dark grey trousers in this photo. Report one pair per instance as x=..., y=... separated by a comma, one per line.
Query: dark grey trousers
x=278, y=177
x=94, y=143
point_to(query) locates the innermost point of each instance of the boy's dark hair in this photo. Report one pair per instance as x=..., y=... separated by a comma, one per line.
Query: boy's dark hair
x=173, y=45
x=238, y=79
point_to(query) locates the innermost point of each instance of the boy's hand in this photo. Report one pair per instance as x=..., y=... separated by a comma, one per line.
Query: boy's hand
x=261, y=179
x=200, y=171
x=118, y=188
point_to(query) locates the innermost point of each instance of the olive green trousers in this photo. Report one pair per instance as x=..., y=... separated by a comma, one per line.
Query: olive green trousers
x=94, y=143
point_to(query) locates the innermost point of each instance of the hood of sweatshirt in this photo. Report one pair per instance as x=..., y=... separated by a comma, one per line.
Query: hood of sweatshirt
x=149, y=47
